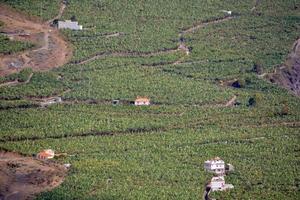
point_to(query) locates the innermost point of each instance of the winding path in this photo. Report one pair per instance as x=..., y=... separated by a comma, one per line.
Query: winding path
x=17, y=82
x=181, y=46
x=124, y=54
x=51, y=48
x=60, y=13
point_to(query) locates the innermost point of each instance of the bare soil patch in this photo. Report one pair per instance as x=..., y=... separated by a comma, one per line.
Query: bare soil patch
x=288, y=74
x=23, y=177
x=51, y=48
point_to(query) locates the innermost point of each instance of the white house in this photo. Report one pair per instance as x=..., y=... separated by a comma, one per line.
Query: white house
x=142, y=101
x=217, y=183
x=215, y=165
x=68, y=24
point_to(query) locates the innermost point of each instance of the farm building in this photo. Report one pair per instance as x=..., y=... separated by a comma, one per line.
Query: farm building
x=215, y=165
x=218, y=184
x=142, y=101
x=51, y=101
x=45, y=154
x=68, y=24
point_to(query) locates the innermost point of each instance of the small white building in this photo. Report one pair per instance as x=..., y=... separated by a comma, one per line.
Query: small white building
x=215, y=165
x=142, y=101
x=68, y=24
x=51, y=101
x=218, y=184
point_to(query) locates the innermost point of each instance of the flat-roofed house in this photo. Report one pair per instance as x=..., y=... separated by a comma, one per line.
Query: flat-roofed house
x=218, y=184
x=68, y=24
x=215, y=165
x=142, y=101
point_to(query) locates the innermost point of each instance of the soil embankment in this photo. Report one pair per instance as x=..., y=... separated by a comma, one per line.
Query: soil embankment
x=288, y=74
x=22, y=177
x=51, y=48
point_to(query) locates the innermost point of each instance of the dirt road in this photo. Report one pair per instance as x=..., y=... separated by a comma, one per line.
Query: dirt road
x=51, y=48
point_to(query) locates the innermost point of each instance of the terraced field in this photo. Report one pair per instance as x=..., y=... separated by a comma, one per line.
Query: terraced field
x=205, y=72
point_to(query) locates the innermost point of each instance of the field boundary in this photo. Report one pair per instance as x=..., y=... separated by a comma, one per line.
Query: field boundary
x=17, y=82
x=180, y=47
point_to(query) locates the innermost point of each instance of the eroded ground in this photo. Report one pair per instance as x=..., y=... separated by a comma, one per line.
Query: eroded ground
x=288, y=74
x=22, y=177
x=51, y=48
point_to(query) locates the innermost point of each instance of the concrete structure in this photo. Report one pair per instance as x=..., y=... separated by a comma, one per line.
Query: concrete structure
x=142, y=101
x=51, y=101
x=68, y=24
x=218, y=184
x=229, y=12
x=215, y=165
x=229, y=168
x=116, y=102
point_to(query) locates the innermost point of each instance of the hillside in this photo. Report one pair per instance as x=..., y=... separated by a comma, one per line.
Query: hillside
x=220, y=84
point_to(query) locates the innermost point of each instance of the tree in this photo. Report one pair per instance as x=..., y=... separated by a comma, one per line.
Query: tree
x=285, y=109
x=254, y=100
x=257, y=68
x=251, y=101
x=73, y=18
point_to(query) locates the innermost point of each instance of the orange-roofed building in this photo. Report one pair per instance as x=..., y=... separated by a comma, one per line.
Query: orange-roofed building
x=142, y=101
x=45, y=154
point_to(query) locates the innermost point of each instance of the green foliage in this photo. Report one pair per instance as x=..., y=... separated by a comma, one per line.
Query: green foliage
x=42, y=8
x=157, y=152
x=9, y=47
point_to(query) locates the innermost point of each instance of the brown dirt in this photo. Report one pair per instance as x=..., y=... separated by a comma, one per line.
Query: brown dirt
x=51, y=48
x=288, y=74
x=22, y=177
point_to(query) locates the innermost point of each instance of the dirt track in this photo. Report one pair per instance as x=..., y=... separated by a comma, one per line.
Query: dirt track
x=22, y=177
x=51, y=48
x=181, y=46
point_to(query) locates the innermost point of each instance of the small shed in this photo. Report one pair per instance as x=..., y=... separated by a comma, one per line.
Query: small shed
x=68, y=24
x=142, y=101
x=51, y=101
x=45, y=154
